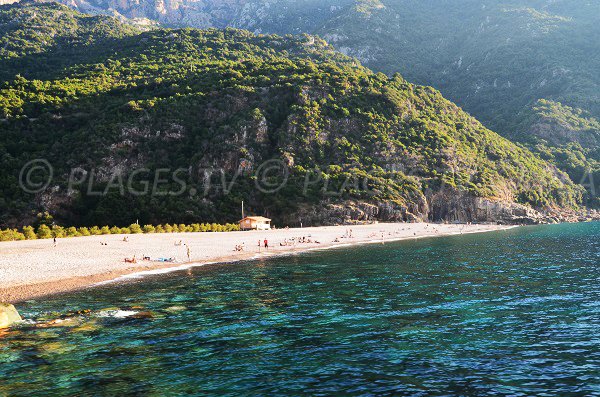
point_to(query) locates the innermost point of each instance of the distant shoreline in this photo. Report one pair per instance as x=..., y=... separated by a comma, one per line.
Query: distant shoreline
x=33, y=269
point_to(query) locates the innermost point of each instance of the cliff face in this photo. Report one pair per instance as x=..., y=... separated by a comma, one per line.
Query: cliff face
x=273, y=16
x=452, y=209
x=560, y=125
x=200, y=14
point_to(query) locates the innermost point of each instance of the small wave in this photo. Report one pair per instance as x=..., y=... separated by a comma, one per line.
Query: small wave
x=146, y=273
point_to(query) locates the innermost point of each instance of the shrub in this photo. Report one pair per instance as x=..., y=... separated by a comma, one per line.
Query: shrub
x=44, y=232
x=58, y=231
x=72, y=232
x=232, y=227
x=17, y=235
x=11, y=235
x=149, y=229
x=115, y=230
x=29, y=233
x=134, y=228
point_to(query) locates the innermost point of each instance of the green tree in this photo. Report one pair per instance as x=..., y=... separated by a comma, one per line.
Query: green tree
x=44, y=232
x=29, y=233
x=134, y=228
x=149, y=229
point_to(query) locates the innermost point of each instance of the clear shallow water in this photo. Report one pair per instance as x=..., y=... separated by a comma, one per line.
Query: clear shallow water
x=508, y=313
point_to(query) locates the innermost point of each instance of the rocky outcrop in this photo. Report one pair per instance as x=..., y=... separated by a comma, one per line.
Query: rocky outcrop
x=557, y=133
x=440, y=208
x=8, y=315
x=350, y=211
x=465, y=208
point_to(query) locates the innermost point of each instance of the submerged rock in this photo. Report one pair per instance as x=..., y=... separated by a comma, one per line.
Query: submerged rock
x=61, y=323
x=8, y=315
x=175, y=309
x=143, y=315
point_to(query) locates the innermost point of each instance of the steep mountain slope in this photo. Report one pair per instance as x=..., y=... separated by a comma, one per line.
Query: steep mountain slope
x=495, y=59
x=216, y=105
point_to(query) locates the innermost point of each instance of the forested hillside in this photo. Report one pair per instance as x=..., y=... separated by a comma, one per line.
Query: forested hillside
x=503, y=62
x=94, y=94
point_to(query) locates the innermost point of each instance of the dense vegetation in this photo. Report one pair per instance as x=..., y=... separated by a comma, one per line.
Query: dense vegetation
x=91, y=93
x=504, y=62
x=497, y=60
x=46, y=229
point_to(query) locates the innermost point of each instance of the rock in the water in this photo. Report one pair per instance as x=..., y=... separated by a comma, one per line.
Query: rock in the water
x=143, y=315
x=8, y=315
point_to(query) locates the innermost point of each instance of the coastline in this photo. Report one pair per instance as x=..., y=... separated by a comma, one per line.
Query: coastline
x=34, y=269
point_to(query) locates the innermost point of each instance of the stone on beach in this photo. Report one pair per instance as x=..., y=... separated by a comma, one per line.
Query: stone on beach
x=8, y=315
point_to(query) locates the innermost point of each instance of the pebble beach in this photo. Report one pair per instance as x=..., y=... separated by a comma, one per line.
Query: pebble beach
x=30, y=269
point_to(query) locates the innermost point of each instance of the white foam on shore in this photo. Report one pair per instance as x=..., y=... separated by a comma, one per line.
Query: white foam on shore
x=154, y=272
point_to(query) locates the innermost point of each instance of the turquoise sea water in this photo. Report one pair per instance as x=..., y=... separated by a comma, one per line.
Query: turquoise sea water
x=509, y=313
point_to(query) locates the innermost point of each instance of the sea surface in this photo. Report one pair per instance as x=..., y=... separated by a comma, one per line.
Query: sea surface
x=510, y=313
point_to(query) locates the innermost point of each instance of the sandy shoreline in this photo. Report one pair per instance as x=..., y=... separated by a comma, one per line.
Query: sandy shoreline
x=30, y=269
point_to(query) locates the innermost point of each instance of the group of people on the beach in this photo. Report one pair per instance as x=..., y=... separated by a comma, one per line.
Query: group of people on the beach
x=163, y=260
x=347, y=234
x=292, y=242
x=240, y=247
x=289, y=242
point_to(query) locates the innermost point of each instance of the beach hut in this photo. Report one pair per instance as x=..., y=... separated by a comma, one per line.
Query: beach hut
x=255, y=223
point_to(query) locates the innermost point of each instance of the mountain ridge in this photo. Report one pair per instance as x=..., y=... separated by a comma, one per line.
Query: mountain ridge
x=230, y=101
x=496, y=60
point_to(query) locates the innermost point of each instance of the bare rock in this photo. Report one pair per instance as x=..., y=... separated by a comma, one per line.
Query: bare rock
x=8, y=315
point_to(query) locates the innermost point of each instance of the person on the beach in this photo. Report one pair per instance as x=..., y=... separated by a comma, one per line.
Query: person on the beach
x=55, y=241
x=266, y=244
x=188, y=252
